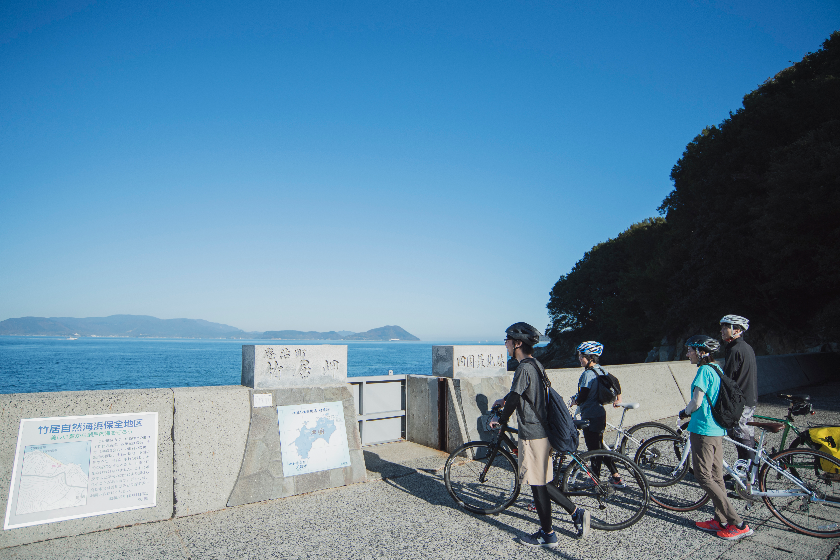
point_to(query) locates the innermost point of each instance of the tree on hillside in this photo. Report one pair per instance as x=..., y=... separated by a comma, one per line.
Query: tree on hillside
x=751, y=227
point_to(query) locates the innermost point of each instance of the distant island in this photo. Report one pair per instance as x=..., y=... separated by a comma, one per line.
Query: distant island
x=144, y=326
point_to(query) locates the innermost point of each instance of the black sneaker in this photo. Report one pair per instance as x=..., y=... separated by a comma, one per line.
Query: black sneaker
x=581, y=520
x=540, y=538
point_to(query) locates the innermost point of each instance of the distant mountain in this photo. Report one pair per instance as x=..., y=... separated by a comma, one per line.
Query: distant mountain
x=301, y=335
x=139, y=326
x=144, y=326
x=391, y=332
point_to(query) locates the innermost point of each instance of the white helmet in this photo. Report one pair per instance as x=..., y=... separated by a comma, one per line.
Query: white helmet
x=742, y=322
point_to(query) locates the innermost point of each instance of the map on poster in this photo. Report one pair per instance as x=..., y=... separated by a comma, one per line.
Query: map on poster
x=78, y=466
x=313, y=437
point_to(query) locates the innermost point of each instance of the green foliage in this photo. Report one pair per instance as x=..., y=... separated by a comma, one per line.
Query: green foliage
x=752, y=227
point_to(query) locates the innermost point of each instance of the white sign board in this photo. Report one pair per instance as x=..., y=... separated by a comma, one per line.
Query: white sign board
x=313, y=437
x=79, y=466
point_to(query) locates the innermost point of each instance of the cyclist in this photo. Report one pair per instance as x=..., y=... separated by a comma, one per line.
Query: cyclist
x=740, y=366
x=589, y=354
x=528, y=398
x=707, y=440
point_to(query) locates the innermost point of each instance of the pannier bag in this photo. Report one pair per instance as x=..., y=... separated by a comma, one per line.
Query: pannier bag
x=730, y=403
x=560, y=428
x=828, y=438
x=608, y=387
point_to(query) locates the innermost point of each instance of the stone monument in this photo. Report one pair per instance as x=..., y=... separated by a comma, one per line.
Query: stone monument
x=304, y=433
x=469, y=361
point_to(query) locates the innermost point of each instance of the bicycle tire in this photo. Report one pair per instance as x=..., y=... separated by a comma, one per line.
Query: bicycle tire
x=645, y=431
x=462, y=473
x=610, y=508
x=802, y=514
x=671, y=488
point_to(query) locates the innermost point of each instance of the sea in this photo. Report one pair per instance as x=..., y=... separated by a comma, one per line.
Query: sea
x=45, y=364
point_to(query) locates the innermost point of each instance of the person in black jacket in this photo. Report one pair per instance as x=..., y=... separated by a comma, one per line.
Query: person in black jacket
x=740, y=366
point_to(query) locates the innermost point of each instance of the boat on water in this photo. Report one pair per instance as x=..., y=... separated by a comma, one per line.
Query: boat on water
x=392, y=339
x=72, y=338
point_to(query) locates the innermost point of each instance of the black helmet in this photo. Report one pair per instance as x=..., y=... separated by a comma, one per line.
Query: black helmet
x=703, y=342
x=524, y=332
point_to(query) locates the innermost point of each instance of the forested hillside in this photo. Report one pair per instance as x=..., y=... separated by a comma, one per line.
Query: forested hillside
x=752, y=227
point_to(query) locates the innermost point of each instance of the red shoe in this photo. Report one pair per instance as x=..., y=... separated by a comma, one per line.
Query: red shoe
x=733, y=533
x=712, y=525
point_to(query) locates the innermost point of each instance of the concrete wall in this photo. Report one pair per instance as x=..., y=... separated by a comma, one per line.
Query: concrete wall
x=43, y=405
x=661, y=388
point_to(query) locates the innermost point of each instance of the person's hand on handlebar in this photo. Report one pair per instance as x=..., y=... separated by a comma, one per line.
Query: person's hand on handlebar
x=683, y=415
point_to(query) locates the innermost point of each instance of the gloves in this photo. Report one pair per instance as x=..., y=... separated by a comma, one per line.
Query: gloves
x=683, y=415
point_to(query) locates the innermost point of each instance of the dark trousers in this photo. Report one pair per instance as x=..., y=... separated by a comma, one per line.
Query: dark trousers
x=593, y=435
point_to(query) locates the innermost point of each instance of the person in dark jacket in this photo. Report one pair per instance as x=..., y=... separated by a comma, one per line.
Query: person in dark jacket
x=740, y=366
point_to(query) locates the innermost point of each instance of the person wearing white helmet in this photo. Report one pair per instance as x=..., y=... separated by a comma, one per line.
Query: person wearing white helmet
x=740, y=366
x=589, y=354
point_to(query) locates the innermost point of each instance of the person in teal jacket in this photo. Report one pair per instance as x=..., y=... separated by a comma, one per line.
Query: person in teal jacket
x=707, y=439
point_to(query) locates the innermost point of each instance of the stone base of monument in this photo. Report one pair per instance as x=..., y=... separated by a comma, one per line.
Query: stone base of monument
x=269, y=471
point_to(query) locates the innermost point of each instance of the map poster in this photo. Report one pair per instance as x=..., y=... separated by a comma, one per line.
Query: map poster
x=79, y=466
x=312, y=437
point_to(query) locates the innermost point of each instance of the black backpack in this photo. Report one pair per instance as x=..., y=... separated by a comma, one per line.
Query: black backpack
x=560, y=428
x=608, y=387
x=730, y=403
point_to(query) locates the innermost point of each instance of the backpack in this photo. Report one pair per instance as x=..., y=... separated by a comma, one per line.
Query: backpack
x=828, y=438
x=730, y=403
x=560, y=428
x=608, y=387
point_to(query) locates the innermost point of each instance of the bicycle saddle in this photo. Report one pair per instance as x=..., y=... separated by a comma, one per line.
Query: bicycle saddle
x=579, y=424
x=772, y=427
x=629, y=405
x=795, y=398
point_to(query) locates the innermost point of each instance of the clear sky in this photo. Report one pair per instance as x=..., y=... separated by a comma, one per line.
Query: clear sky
x=347, y=165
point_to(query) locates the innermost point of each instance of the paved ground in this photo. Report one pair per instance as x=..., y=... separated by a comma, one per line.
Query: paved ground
x=405, y=512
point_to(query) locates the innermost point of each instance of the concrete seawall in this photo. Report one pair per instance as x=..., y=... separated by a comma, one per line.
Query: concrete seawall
x=661, y=388
x=203, y=432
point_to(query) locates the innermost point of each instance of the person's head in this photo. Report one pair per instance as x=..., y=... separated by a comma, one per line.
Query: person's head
x=589, y=353
x=733, y=326
x=522, y=337
x=701, y=349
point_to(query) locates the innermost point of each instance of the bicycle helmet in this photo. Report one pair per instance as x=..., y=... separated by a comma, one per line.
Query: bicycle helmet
x=703, y=342
x=736, y=320
x=591, y=347
x=524, y=332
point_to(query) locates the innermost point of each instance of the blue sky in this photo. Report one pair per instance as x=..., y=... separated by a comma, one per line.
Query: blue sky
x=347, y=165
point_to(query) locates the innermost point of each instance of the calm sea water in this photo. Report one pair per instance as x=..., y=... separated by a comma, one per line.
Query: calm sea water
x=29, y=364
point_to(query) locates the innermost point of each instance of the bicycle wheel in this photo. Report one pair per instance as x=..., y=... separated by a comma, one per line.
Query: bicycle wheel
x=815, y=513
x=481, y=478
x=611, y=508
x=671, y=486
x=640, y=433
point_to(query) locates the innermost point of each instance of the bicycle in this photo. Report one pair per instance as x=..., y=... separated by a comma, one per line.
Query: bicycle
x=483, y=478
x=798, y=405
x=628, y=441
x=800, y=486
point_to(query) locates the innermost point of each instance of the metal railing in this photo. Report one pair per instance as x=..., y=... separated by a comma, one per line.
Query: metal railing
x=380, y=407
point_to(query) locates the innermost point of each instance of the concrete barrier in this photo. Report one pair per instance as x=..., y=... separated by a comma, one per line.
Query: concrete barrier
x=661, y=388
x=210, y=431
x=16, y=407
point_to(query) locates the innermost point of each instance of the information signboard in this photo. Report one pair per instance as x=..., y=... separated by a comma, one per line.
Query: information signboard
x=313, y=437
x=79, y=466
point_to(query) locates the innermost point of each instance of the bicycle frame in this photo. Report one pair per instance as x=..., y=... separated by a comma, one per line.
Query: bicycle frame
x=762, y=458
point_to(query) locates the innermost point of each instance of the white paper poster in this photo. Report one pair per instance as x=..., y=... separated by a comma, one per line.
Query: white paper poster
x=79, y=466
x=313, y=437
